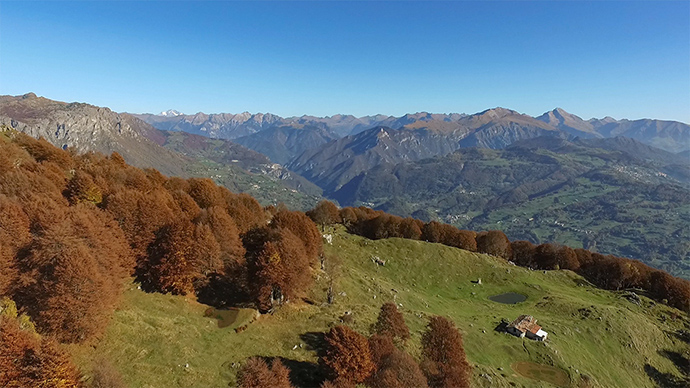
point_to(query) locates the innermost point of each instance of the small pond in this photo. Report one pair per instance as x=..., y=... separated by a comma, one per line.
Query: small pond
x=541, y=372
x=509, y=298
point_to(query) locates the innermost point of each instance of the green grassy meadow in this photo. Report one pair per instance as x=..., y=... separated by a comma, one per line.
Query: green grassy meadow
x=596, y=337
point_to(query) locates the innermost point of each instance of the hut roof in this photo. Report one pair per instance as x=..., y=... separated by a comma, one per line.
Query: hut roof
x=526, y=323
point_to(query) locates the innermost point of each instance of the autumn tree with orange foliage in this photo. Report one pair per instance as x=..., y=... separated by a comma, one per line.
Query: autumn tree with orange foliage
x=325, y=213
x=494, y=242
x=449, y=235
x=347, y=355
x=244, y=210
x=391, y=323
x=81, y=188
x=444, y=361
x=255, y=373
x=141, y=216
x=338, y=383
x=204, y=192
x=182, y=255
x=278, y=266
x=398, y=370
x=27, y=360
x=73, y=274
x=42, y=151
x=523, y=253
x=14, y=235
x=226, y=233
x=380, y=347
x=304, y=228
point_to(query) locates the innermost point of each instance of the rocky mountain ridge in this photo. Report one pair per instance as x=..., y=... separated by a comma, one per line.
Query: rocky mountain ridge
x=89, y=128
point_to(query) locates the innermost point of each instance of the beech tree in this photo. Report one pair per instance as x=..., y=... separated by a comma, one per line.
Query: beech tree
x=186, y=203
x=180, y=256
x=325, y=213
x=338, y=383
x=302, y=227
x=398, y=370
x=410, y=228
x=494, y=242
x=380, y=346
x=68, y=295
x=391, y=322
x=81, y=188
x=278, y=266
x=228, y=237
x=27, y=360
x=348, y=216
x=204, y=192
x=14, y=234
x=347, y=355
x=523, y=253
x=244, y=210
x=255, y=373
x=444, y=361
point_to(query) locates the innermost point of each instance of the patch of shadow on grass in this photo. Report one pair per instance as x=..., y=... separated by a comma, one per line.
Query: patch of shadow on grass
x=665, y=380
x=502, y=327
x=220, y=293
x=315, y=341
x=682, y=335
x=583, y=283
x=304, y=374
x=679, y=360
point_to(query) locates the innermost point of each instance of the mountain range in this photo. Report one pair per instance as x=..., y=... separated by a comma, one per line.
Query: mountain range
x=621, y=185
x=672, y=136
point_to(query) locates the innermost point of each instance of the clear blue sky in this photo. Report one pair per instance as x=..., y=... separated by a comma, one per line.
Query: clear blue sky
x=623, y=59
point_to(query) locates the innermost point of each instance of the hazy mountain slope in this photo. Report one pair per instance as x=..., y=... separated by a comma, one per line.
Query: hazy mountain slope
x=234, y=155
x=284, y=143
x=545, y=190
x=88, y=128
x=337, y=162
x=221, y=125
x=671, y=136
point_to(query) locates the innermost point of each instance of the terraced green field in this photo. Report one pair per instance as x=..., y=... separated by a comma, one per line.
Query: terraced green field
x=597, y=338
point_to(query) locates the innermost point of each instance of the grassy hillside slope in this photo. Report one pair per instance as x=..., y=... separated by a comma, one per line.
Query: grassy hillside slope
x=165, y=341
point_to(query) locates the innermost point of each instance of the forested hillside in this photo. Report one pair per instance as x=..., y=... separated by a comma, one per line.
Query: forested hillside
x=613, y=196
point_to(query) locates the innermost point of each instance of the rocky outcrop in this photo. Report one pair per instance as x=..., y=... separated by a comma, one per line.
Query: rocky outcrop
x=88, y=128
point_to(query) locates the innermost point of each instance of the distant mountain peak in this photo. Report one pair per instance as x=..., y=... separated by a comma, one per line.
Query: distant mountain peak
x=497, y=112
x=170, y=113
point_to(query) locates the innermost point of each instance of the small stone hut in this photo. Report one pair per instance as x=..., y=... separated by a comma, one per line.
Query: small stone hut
x=526, y=326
